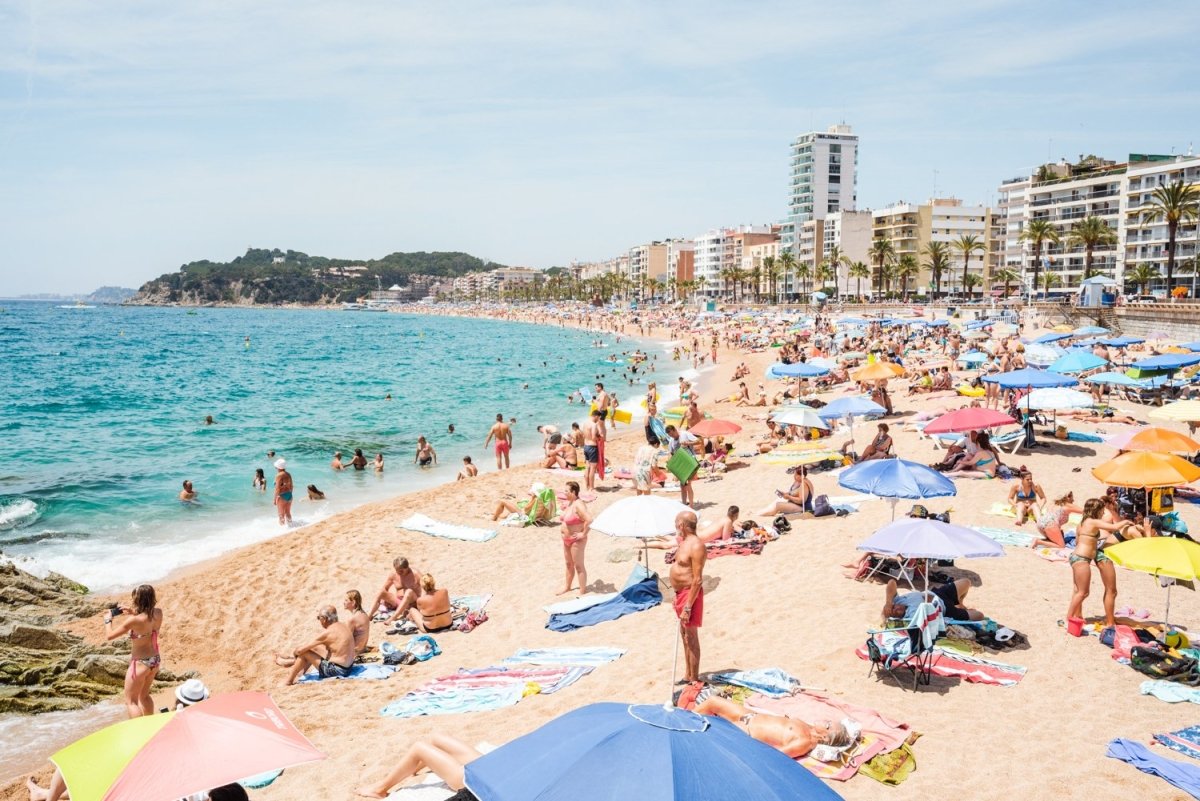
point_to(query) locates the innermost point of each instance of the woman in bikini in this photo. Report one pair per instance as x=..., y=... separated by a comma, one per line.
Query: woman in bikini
x=431, y=611
x=983, y=464
x=576, y=522
x=1090, y=538
x=880, y=447
x=1053, y=518
x=142, y=622
x=1027, y=498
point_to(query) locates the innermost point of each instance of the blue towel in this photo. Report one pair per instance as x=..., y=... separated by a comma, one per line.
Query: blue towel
x=455, y=701
x=372, y=671
x=1079, y=436
x=642, y=595
x=1185, y=777
x=774, y=682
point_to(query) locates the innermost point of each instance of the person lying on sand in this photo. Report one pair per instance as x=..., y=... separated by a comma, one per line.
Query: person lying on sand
x=445, y=757
x=331, y=653
x=792, y=736
x=948, y=597
x=400, y=590
x=722, y=529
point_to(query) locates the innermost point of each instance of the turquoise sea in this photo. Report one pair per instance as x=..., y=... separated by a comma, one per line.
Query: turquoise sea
x=103, y=412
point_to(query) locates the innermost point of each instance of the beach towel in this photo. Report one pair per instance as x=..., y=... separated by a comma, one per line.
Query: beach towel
x=371, y=671
x=454, y=700
x=974, y=669
x=1185, y=741
x=811, y=705
x=726, y=548
x=1008, y=536
x=1169, y=691
x=548, y=679
x=1002, y=509
x=891, y=767
x=594, y=656
x=427, y=525
x=640, y=596
x=579, y=604
x=770, y=682
x=1179, y=774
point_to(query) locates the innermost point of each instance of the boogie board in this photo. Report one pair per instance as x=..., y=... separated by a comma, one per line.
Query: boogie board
x=618, y=415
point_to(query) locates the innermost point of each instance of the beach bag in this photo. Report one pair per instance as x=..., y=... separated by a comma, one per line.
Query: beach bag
x=1173, y=523
x=821, y=507
x=1123, y=641
x=683, y=465
x=1159, y=664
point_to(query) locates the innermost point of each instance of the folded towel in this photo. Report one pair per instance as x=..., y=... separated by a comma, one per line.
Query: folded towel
x=434, y=528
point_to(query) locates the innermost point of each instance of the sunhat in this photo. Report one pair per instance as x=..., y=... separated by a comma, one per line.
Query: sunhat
x=280, y=464
x=537, y=486
x=191, y=692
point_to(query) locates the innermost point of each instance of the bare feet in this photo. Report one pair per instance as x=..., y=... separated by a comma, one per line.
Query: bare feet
x=367, y=791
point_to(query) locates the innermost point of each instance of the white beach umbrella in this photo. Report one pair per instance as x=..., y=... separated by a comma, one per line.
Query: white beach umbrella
x=799, y=415
x=640, y=517
x=1056, y=398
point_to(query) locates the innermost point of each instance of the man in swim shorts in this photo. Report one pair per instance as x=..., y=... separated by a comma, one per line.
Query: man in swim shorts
x=400, y=589
x=503, y=435
x=687, y=579
x=332, y=653
x=593, y=434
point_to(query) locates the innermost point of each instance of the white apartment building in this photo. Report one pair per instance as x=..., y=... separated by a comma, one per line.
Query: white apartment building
x=822, y=178
x=1144, y=242
x=708, y=249
x=850, y=232
x=810, y=241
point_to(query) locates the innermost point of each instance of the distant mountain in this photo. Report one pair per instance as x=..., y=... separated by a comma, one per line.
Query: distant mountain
x=110, y=294
x=288, y=276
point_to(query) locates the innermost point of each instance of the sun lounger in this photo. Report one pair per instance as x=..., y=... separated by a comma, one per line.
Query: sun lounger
x=1010, y=442
x=434, y=528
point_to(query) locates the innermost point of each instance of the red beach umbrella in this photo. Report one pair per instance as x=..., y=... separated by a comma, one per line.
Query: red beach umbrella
x=715, y=428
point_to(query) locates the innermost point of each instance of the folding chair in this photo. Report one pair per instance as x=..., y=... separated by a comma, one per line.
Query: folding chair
x=1010, y=442
x=911, y=647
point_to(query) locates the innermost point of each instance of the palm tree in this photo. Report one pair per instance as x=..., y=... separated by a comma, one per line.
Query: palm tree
x=826, y=272
x=970, y=281
x=858, y=271
x=1008, y=275
x=1175, y=203
x=1091, y=232
x=726, y=275
x=835, y=259
x=908, y=267
x=787, y=264
x=803, y=272
x=966, y=245
x=1039, y=232
x=882, y=251
x=1050, y=279
x=1140, y=276
x=889, y=275
x=771, y=273
x=1190, y=265
x=938, y=259
x=755, y=277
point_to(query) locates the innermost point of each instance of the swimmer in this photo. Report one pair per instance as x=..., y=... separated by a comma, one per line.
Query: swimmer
x=378, y=463
x=387, y=397
x=315, y=494
x=450, y=428
x=208, y=421
x=337, y=463
x=187, y=494
x=260, y=480
x=426, y=455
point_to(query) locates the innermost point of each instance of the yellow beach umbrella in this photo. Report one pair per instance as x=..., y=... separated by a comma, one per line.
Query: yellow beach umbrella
x=1159, y=556
x=876, y=371
x=1147, y=469
x=1186, y=411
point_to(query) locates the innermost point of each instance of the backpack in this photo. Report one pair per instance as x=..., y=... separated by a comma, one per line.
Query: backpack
x=1159, y=664
x=821, y=507
x=782, y=524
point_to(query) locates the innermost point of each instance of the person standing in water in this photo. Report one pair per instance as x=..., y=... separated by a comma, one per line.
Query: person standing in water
x=283, y=492
x=426, y=455
x=503, y=435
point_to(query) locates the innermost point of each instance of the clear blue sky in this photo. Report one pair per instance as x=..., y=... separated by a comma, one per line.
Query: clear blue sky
x=136, y=136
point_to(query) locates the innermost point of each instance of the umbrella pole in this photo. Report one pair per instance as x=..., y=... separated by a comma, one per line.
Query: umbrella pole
x=1167, y=617
x=670, y=702
x=894, y=501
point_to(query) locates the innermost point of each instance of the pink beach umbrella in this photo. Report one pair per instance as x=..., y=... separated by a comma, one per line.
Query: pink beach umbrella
x=968, y=419
x=177, y=754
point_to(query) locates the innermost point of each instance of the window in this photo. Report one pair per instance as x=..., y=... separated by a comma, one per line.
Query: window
x=835, y=148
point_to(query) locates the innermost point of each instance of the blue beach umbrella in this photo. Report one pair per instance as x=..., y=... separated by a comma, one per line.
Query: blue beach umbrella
x=797, y=370
x=1051, y=337
x=1089, y=330
x=852, y=406
x=1031, y=377
x=648, y=752
x=1168, y=361
x=1192, y=346
x=973, y=358
x=896, y=478
x=1113, y=379
x=1077, y=361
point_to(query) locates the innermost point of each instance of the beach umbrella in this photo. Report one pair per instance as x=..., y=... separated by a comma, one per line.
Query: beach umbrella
x=973, y=358
x=649, y=752
x=1115, y=379
x=968, y=419
x=1050, y=398
x=177, y=754
x=1045, y=339
x=850, y=406
x=1192, y=346
x=715, y=428
x=1158, y=335
x=876, y=371
x=799, y=415
x=895, y=479
x=1077, y=361
x=1030, y=377
x=796, y=370
x=1089, y=330
x=1146, y=469
x=1043, y=355
x=1156, y=439
x=1162, y=557
x=1121, y=341
x=925, y=538
x=1185, y=411
x=976, y=334
x=639, y=517
x=1168, y=361
x=851, y=354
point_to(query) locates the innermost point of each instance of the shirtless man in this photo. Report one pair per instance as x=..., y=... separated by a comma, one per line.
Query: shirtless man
x=337, y=464
x=187, y=494
x=359, y=623
x=283, y=492
x=687, y=579
x=693, y=415
x=503, y=434
x=602, y=401
x=593, y=434
x=792, y=736
x=426, y=455
x=331, y=653
x=400, y=589
x=469, y=470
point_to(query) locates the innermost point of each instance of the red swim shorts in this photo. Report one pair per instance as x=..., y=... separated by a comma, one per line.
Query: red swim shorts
x=697, y=618
x=502, y=446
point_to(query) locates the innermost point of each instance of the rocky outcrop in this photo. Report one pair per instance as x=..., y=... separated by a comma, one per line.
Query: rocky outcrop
x=43, y=666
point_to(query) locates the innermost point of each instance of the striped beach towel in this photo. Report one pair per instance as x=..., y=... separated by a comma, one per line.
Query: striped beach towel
x=974, y=669
x=1008, y=536
x=1185, y=741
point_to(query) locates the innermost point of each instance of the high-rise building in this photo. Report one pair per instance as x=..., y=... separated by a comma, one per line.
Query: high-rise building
x=1144, y=241
x=722, y=249
x=823, y=179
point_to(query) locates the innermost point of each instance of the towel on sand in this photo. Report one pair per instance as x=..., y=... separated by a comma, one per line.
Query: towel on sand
x=482, y=690
x=642, y=595
x=974, y=669
x=1008, y=536
x=579, y=604
x=773, y=682
x=1180, y=774
x=449, y=531
x=1185, y=741
x=594, y=655
x=1170, y=692
x=372, y=671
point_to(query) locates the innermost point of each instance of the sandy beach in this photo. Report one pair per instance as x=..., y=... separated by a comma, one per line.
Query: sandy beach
x=790, y=607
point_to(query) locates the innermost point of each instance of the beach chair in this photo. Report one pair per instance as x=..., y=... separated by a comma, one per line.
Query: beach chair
x=911, y=646
x=1010, y=442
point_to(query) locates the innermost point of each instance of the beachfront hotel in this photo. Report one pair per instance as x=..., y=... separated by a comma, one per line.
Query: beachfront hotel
x=911, y=227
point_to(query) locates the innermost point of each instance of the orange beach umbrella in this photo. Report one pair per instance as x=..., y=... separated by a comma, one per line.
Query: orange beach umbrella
x=1147, y=469
x=876, y=371
x=1155, y=438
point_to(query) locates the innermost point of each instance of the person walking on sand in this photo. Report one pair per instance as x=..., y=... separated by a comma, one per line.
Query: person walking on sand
x=576, y=522
x=593, y=435
x=283, y=492
x=502, y=432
